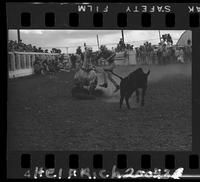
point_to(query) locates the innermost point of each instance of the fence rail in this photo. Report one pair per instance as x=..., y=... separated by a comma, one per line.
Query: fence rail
x=21, y=63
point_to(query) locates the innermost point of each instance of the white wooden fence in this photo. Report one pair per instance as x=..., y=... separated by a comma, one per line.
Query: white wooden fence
x=129, y=60
x=21, y=63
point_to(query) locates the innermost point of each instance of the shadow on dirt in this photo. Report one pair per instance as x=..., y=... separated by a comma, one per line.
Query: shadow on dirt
x=84, y=94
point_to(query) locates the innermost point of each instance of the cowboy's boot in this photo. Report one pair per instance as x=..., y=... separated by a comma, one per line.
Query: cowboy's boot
x=105, y=85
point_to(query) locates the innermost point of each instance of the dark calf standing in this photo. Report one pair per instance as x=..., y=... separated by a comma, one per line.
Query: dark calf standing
x=131, y=83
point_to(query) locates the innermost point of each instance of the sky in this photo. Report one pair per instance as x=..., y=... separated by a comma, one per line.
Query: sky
x=61, y=39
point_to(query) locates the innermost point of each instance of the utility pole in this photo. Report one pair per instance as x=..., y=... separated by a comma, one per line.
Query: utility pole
x=18, y=35
x=98, y=42
x=159, y=35
x=123, y=36
x=67, y=49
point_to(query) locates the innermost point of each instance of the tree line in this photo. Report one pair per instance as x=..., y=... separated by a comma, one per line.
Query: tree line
x=22, y=47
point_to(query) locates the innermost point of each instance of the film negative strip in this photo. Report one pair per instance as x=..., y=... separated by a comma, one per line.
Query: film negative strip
x=71, y=66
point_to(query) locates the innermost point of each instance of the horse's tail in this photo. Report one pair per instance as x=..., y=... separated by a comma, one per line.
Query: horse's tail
x=117, y=75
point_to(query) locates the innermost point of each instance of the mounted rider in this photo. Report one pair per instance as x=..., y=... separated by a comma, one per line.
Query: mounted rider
x=107, y=72
x=86, y=76
x=87, y=72
x=87, y=64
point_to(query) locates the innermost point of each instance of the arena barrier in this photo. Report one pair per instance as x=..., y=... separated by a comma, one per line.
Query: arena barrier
x=130, y=59
x=21, y=63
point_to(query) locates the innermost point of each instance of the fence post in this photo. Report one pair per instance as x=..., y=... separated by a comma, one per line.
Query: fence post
x=29, y=61
x=18, y=62
x=33, y=60
x=24, y=60
x=12, y=62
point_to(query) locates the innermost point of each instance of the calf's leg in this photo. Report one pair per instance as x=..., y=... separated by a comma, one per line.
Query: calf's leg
x=137, y=95
x=127, y=102
x=121, y=101
x=143, y=95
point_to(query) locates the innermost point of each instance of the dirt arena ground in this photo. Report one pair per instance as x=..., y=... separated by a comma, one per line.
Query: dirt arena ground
x=42, y=115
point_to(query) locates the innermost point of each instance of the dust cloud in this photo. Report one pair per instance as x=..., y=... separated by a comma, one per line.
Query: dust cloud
x=157, y=74
x=170, y=71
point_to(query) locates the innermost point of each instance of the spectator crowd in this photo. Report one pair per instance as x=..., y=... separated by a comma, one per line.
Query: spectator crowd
x=43, y=63
x=22, y=47
x=164, y=53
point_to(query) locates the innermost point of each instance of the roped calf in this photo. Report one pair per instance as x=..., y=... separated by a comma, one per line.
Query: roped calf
x=131, y=83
